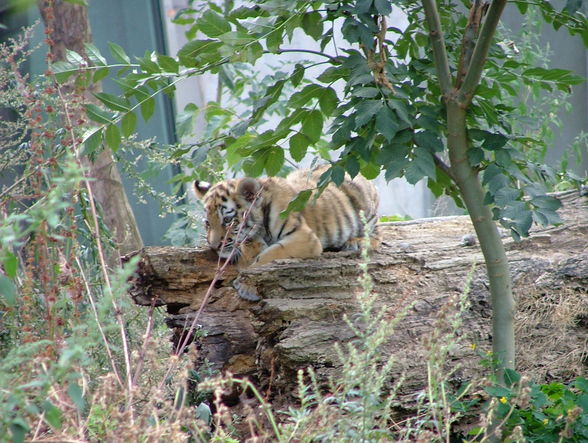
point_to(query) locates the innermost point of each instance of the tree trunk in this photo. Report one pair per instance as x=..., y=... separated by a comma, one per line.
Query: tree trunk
x=67, y=27
x=422, y=263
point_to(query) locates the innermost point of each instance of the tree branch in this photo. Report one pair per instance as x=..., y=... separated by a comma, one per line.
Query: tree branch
x=440, y=163
x=438, y=44
x=334, y=60
x=477, y=11
x=476, y=66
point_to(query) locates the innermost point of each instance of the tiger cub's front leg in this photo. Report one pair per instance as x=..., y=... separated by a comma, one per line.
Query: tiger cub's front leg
x=299, y=242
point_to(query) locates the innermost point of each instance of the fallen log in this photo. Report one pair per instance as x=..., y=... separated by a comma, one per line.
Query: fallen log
x=422, y=265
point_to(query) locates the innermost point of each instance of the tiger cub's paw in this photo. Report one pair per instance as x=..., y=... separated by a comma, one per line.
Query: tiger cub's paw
x=245, y=291
x=250, y=251
x=356, y=244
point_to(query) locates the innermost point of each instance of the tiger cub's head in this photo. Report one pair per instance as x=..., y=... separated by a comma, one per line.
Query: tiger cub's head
x=229, y=221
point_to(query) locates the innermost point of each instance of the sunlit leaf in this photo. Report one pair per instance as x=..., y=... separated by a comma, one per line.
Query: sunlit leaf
x=119, y=53
x=312, y=125
x=112, y=137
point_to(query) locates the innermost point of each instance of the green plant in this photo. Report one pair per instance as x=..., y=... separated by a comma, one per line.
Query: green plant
x=534, y=412
x=78, y=359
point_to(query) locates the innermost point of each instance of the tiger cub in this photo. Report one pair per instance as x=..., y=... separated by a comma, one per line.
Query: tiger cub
x=243, y=216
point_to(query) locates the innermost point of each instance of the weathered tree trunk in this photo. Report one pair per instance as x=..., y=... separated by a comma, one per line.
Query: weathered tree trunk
x=422, y=263
x=68, y=28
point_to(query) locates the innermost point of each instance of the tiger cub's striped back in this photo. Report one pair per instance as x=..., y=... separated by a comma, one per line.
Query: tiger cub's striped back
x=244, y=223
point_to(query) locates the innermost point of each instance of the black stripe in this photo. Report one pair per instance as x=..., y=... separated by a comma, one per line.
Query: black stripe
x=282, y=229
x=296, y=225
x=266, y=220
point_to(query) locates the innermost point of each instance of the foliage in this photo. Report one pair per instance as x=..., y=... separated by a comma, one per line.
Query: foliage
x=377, y=96
x=78, y=359
x=540, y=413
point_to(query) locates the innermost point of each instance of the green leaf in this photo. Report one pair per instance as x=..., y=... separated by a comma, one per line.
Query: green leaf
x=7, y=292
x=63, y=70
x=546, y=217
x=362, y=6
x=332, y=74
x=253, y=166
x=197, y=52
x=366, y=110
x=504, y=196
x=92, y=140
x=274, y=160
x=370, y=171
x=312, y=24
x=401, y=110
x=148, y=108
x=503, y=158
x=494, y=141
x=312, y=125
x=204, y=413
x=297, y=74
x=98, y=115
x=74, y=58
x=546, y=202
x=19, y=429
x=511, y=377
x=352, y=166
x=275, y=38
x=75, y=393
x=387, y=123
x=185, y=120
x=337, y=174
x=301, y=98
x=298, y=203
x=384, y=7
x=298, y=146
x=422, y=165
x=128, y=124
x=168, y=64
x=77, y=2
x=52, y=414
x=272, y=94
x=10, y=264
x=94, y=55
x=497, y=391
x=475, y=156
x=212, y=24
x=429, y=140
x=119, y=53
x=253, y=52
x=328, y=100
x=113, y=102
x=366, y=92
x=100, y=74
x=112, y=136
x=561, y=76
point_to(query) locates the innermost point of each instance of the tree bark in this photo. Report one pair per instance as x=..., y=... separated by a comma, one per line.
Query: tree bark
x=68, y=28
x=421, y=264
x=458, y=99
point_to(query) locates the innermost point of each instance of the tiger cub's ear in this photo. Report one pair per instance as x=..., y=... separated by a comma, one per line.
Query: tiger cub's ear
x=201, y=188
x=248, y=188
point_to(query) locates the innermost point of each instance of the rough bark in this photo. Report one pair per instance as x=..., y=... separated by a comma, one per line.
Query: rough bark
x=422, y=263
x=68, y=28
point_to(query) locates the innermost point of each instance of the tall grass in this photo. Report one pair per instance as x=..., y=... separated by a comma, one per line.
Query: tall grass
x=79, y=361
